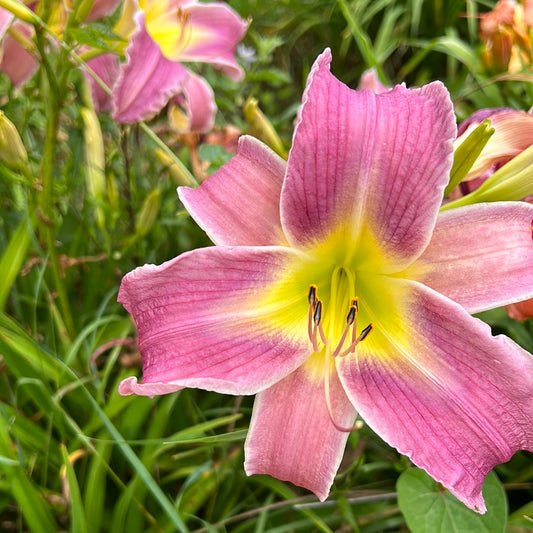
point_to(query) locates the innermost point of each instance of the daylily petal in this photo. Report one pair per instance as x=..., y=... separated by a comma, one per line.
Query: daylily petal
x=6, y=17
x=102, y=8
x=434, y=383
x=17, y=63
x=147, y=80
x=189, y=31
x=254, y=176
x=520, y=310
x=374, y=164
x=200, y=103
x=480, y=256
x=291, y=435
x=203, y=322
x=106, y=67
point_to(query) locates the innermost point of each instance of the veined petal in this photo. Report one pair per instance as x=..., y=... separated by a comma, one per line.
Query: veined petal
x=433, y=382
x=190, y=31
x=6, y=17
x=291, y=436
x=481, y=255
x=375, y=165
x=146, y=81
x=206, y=320
x=102, y=8
x=106, y=67
x=200, y=103
x=16, y=62
x=239, y=204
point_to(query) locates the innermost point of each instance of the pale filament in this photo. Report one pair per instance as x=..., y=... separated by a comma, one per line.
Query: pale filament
x=315, y=329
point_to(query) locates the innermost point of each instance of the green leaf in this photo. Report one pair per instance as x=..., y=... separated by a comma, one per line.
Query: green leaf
x=78, y=519
x=427, y=506
x=34, y=507
x=95, y=35
x=12, y=259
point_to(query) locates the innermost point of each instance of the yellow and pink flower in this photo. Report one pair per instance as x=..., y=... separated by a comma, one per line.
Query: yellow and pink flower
x=336, y=287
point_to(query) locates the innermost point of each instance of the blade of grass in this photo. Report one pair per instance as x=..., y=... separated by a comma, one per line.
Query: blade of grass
x=13, y=258
x=78, y=519
x=30, y=501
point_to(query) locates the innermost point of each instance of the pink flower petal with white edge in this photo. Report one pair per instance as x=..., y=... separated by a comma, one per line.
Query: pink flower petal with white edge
x=433, y=382
x=106, y=67
x=291, y=435
x=6, y=17
x=203, y=321
x=17, y=63
x=481, y=256
x=190, y=31
x=200, y=103
x=239, y=204
x=146, y=81
x=374, y=165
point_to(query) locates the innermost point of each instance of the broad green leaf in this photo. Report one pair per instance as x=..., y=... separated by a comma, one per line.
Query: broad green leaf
x=428, y=507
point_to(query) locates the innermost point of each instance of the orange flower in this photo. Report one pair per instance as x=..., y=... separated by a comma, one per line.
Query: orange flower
x=505, y=34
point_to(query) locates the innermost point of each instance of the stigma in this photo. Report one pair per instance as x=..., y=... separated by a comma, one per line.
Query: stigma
x=348, y=340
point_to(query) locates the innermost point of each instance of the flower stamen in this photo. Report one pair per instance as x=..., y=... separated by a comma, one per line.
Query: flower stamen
x=311, y=330
x=350, y=319
x=362, y=336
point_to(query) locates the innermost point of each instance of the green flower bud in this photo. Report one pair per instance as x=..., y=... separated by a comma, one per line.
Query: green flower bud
x=12, y=151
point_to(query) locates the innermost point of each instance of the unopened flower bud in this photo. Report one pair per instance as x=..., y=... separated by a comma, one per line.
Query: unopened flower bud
x=94, y=161
x=12, y=151
x=179, y=174
x=148, y=214
x=20, y=11
x=262, y=128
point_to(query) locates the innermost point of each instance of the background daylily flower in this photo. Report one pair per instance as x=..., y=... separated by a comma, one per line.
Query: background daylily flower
x=513, y=133
x=336, y=287
x=153, y=72
x=505, y=32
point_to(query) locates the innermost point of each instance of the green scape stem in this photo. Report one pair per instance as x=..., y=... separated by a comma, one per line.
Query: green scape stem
x=53, y=89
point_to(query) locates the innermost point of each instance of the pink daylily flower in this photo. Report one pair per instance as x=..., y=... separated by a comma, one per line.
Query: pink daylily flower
x=153, y=72
x=336, y=287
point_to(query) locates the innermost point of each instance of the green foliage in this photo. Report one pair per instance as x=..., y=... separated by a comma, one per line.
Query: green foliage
x=74, y=454
x=429, y=507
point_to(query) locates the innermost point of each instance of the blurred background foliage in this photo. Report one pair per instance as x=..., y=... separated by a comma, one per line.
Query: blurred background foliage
x=74, y=455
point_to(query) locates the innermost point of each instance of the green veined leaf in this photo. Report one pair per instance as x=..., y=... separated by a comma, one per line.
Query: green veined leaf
x=427, y=506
